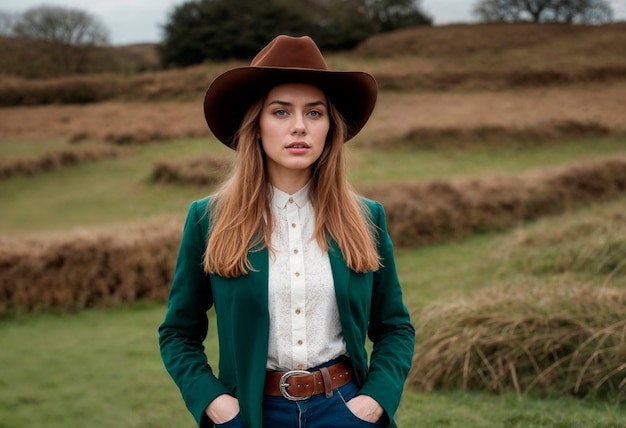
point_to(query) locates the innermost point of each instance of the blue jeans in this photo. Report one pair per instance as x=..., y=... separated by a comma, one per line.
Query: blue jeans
x=315, y=412
x=237, y=422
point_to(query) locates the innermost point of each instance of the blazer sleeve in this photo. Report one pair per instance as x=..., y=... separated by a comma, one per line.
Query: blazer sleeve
x=182, y=333
x=390, y=328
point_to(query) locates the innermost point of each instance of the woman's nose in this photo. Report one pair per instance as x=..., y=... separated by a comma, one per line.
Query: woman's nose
x=298, y=126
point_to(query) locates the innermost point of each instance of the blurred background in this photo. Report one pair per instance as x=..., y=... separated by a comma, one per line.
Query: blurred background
x=498, y=148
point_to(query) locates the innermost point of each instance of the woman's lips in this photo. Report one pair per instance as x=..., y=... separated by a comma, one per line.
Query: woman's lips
x=298, y=148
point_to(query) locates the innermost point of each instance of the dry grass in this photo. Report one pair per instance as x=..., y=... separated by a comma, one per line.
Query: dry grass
x=400, y=114
x=487, y=55
x=492, y=56
x=468, y=57
x=32, y=58
x=591, y=245
x=424, y=213
x=54, y=160
x=563, y=337
x=498, y=80
x=585, y=44
x=93, y=268
x=88, y=268
x=499, y=46
x=62, y=90
x=110, y=122
x=397, y=116
x=497, y=135
x=166, y=85
x=198, y=171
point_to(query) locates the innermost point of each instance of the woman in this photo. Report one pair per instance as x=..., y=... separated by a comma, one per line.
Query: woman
x=298, y=268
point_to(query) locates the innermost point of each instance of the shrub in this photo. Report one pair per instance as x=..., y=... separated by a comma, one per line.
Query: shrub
x=564, y=338
x=592, y=245
x=54, y=160
x=74, y=90
x=198, y=171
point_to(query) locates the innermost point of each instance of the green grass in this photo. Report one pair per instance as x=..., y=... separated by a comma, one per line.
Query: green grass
x=10, y=149
x=483, y=410
x=100, y=193
x=435, y=271
x=116, y=190
x=370, y=166
x=96, y=368
x=102, y=368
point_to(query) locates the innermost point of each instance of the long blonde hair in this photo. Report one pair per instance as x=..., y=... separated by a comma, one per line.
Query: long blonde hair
x=241, y=216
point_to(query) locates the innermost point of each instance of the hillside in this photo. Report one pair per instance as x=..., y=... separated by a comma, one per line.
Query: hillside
x=499, y=44
x=498, y=152
x=467, y=57
x=37, y=59
x=496, y=55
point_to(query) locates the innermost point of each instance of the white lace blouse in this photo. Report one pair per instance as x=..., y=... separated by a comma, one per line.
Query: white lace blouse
x=305, y=330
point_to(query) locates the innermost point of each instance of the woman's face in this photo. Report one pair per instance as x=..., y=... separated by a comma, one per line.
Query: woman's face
x=294, y=123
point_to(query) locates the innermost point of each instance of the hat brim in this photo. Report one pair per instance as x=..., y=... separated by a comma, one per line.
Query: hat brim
x=228, y=97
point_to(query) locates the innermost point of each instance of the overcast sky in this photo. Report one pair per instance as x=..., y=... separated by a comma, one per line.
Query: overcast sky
x=137, y=21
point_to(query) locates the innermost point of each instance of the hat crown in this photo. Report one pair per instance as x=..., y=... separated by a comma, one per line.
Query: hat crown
x=290, y=52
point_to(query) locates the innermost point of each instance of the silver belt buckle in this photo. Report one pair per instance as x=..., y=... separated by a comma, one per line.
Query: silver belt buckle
x=283, y=384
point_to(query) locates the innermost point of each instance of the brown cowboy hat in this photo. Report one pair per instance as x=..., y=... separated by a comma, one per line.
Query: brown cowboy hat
x=285, y=60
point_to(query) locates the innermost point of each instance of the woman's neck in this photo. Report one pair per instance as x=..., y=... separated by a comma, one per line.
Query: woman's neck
x=290, y=183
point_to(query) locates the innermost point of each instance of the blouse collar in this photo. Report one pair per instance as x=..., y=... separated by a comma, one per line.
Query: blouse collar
x=280, y=199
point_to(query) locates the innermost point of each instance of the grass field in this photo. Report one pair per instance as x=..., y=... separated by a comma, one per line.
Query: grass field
x=116, y=190
x=101, y=367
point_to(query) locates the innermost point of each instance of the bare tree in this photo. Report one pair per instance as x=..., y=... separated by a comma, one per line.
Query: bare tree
x=7, y=21
x=394, y=14
x=584, y=11
x=70, y=33
x=570, y=11
x=71, y=27
x=499, y=10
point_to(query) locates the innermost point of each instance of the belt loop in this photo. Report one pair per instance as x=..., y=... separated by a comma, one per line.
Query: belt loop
x=328, y=388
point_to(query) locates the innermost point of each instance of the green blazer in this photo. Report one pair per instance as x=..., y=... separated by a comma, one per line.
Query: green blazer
x=369, y=304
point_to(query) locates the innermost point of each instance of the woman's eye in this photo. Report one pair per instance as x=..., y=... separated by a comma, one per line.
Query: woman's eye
x=280, y=112
x=315, y=113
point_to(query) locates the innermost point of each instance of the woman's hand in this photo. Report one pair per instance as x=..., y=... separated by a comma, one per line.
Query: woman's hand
x=223, y=409
x=366, y=408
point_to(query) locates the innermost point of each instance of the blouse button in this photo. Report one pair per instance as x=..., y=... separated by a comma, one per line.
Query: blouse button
x=299, y=342
x=298, y=311
x=295, y=251
x=293, y=225
x=291, y=200
x=297, y=274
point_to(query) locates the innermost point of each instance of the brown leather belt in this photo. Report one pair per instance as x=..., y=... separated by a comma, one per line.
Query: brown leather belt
x=298, y=385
